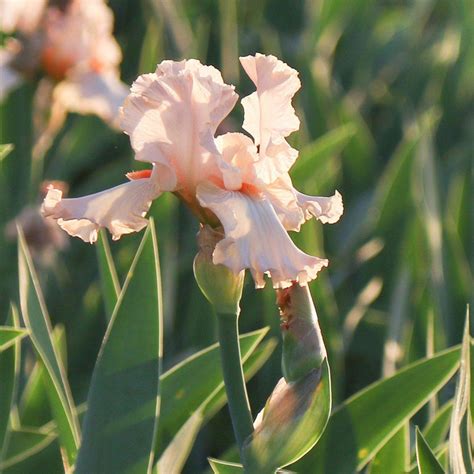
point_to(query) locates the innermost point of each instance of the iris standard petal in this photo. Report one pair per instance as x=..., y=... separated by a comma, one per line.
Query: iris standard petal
x=269, y=115
x=171, y=117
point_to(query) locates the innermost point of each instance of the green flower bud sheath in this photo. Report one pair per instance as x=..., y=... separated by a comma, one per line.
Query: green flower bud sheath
x=223, y=289
x=298, y=409
x=303, y=345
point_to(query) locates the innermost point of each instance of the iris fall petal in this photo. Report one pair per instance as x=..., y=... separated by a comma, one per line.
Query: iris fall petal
x=328, y=210
x=255, y=239
x=120, y=209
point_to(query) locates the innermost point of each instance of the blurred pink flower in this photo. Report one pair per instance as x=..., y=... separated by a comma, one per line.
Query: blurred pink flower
x=171, y=117
x=73, y=45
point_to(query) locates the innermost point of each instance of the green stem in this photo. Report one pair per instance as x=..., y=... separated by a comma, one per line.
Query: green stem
x=239, y=405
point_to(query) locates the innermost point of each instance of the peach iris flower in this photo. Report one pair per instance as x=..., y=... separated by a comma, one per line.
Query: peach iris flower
x=71, y=44
x=171, y=117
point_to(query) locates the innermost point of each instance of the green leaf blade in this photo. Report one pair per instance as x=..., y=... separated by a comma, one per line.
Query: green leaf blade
x=123, y=401
x=9, y=373
x=38, y=323
x=427, y=462
x=8, y=336
x=224, y=467
x=349, y=441
x=108, y=274
x=393, y=457
x=459, y=445
x=180, y=398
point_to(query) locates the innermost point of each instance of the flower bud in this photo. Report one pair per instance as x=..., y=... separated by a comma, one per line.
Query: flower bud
x=303, y=345
x=291, y=423
x=220, y=285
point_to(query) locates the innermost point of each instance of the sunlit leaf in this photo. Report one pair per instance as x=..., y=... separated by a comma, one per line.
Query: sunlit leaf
x=34, y=407
x=436, y=430
x=180, y=399
x=9, y=374
x=316, y=155
x=176, y=453
x=184, y=438
x=8, y=336
x=394, y=456
x=459, y=446
x=5, y=150
x=37, y=320
x=24, y=443
x=108, y=274
x=363, y=424
x=124, y=399
x=427, y=462
x=225, y=467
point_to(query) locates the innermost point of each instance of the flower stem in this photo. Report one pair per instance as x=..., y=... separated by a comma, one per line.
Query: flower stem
x=239, y=405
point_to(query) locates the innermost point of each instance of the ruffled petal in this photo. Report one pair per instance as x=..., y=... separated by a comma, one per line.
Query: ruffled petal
x=255, y=239
x=80, y=35
x=328, y=210
x=284, y=200
x=9, y=78
x=92, y=93
x=269, y=115
x=120, y=209
x=171, y=117
x=238, y=155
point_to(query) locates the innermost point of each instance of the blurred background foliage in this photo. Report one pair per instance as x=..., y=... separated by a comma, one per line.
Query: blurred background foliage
x=387, y=118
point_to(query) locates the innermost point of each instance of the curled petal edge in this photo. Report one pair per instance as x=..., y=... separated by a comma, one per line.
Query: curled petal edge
x=328, y=210
x=120, y=209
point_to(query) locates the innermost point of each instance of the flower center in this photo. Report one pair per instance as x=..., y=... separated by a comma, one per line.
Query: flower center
x=249, y=189
x=56, y=65
x=142, y=174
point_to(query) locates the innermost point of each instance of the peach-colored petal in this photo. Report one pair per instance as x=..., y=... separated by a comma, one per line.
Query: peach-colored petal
x=9, y=78
x=236, y=163
x=171, y=117
x=284, y=200
x=294, y=208
x=81, y=36
x=328, y=210
x=269, y=115
x=255, y=239
x=93, y=93
x=120, y=209
x=20, y=15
